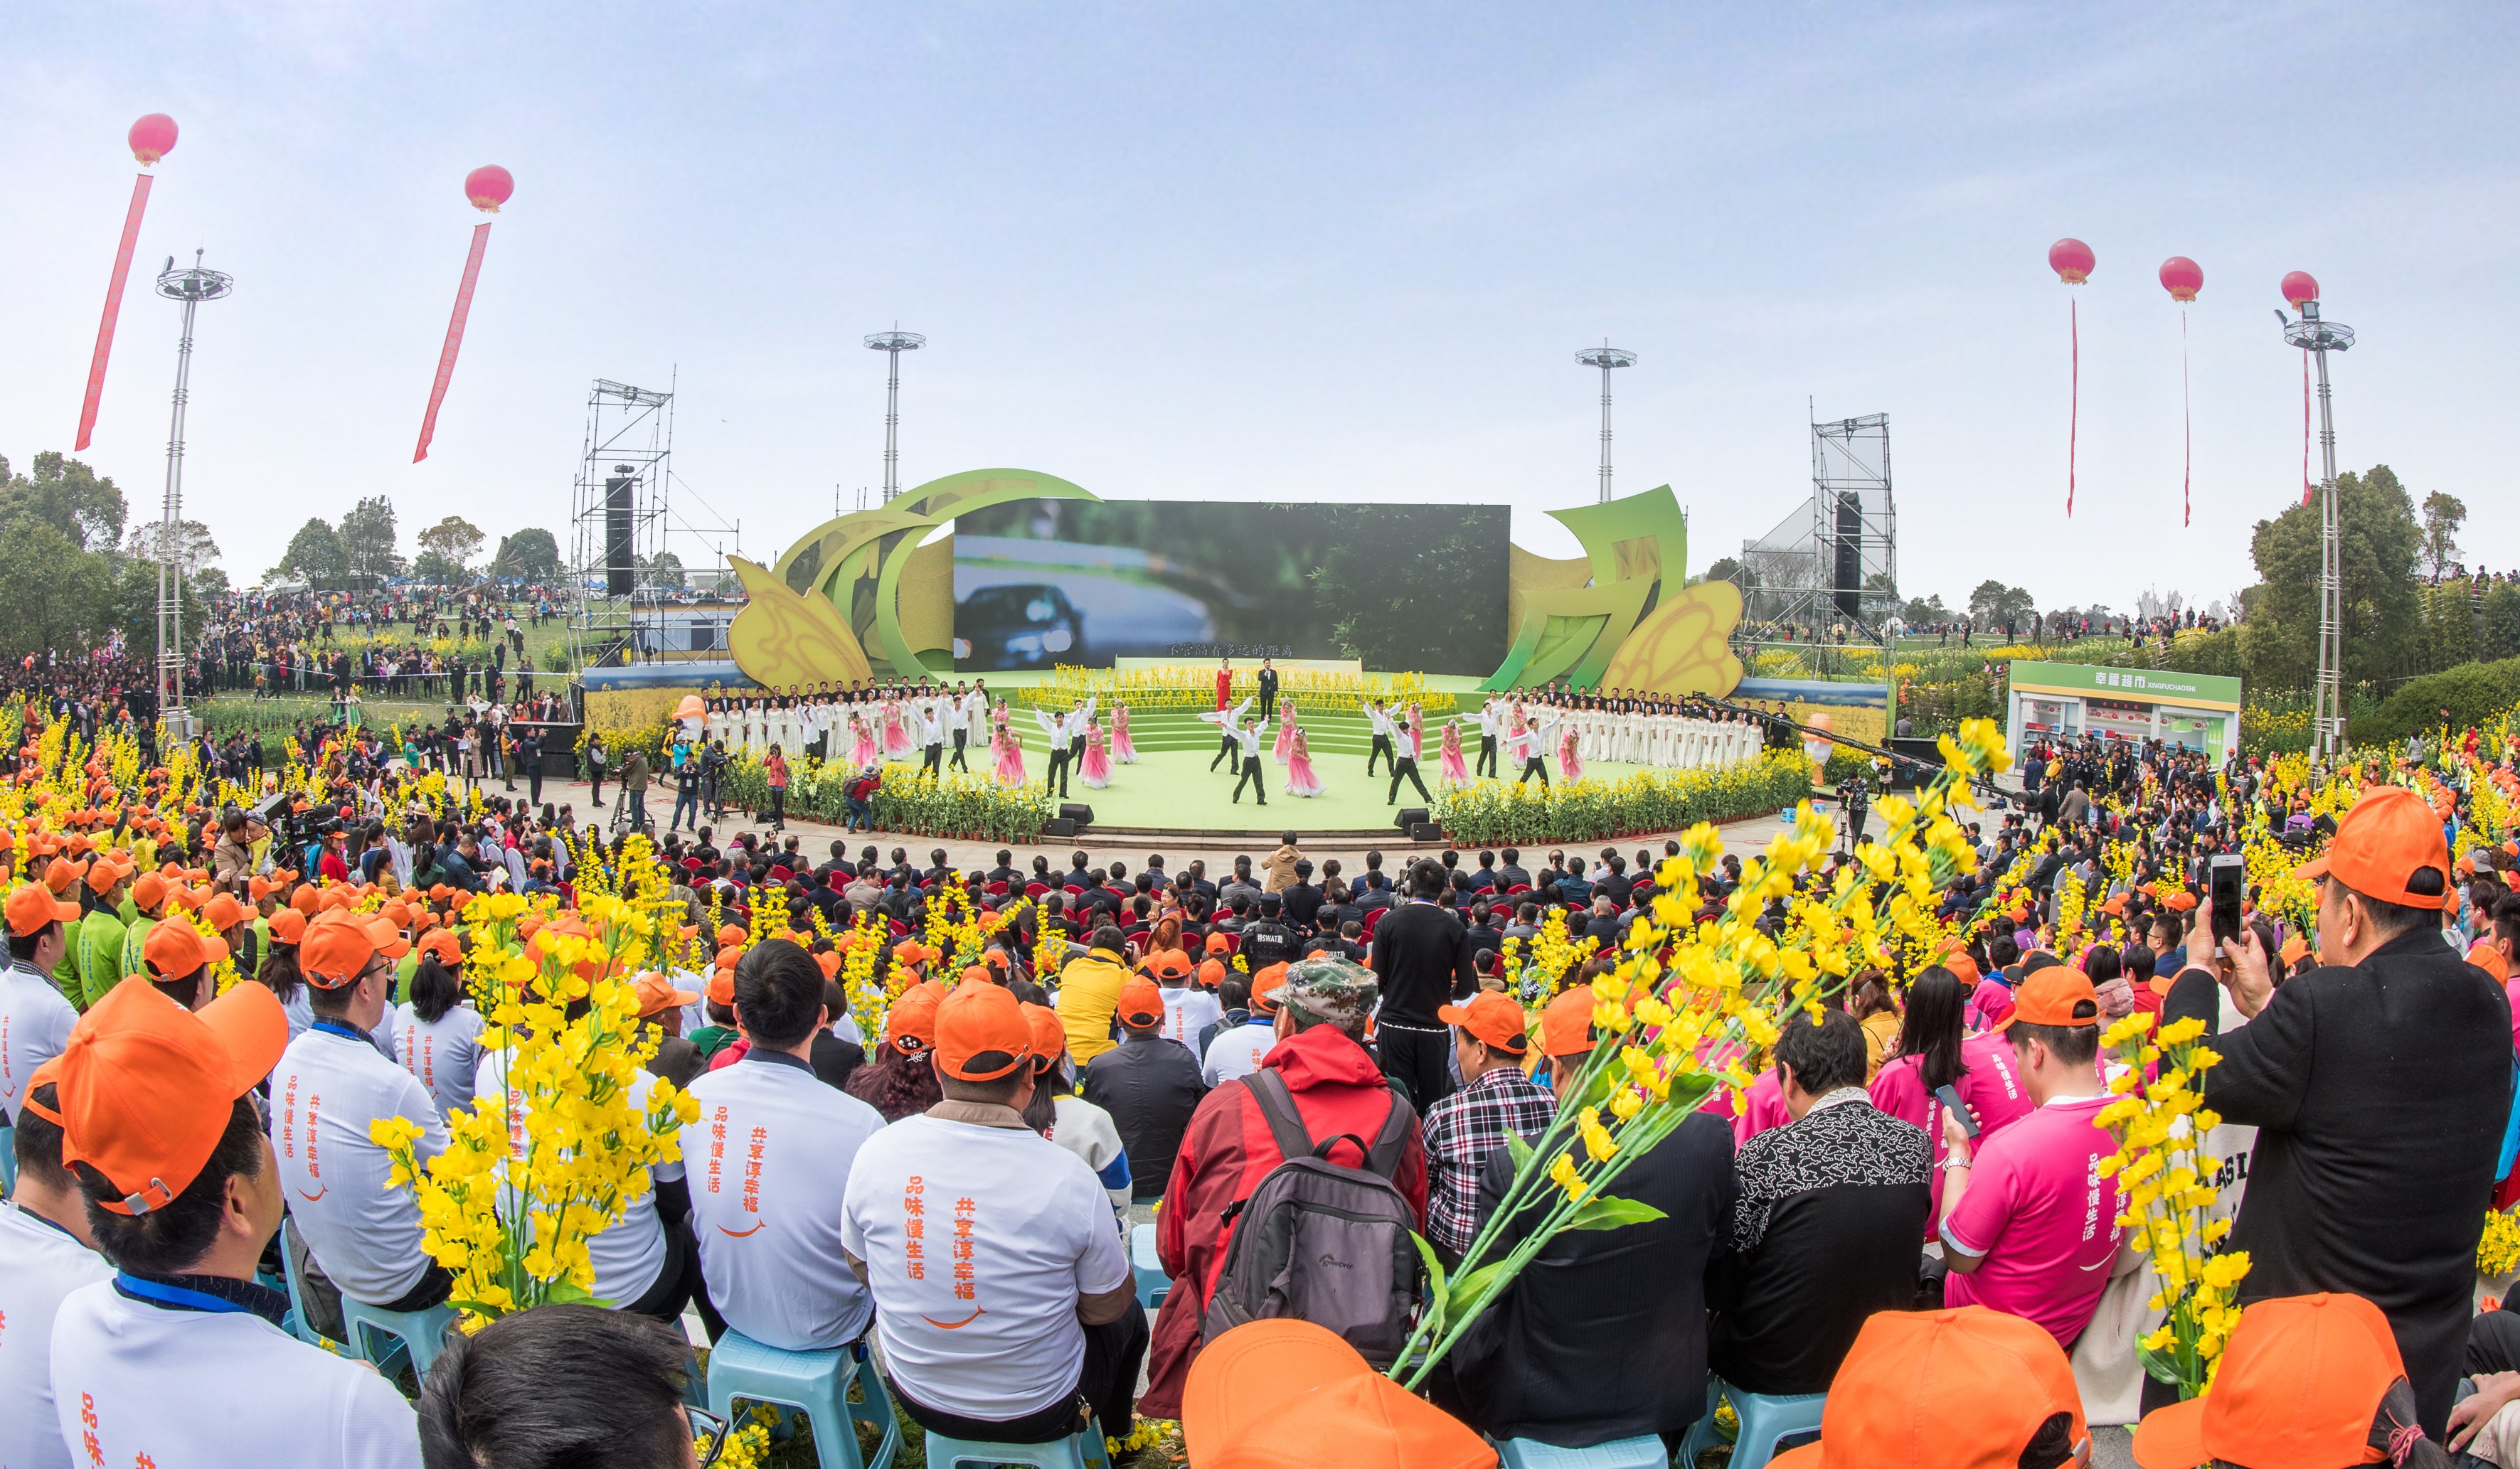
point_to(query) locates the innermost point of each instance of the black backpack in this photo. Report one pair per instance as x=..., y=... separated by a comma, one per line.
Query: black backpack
x=1320, y=1241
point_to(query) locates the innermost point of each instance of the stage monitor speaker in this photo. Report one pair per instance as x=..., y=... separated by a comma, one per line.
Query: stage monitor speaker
x=620, y=554
x=1425, y=831
x=1847, y=573
x=1058, y=826
x=1076, y=812
x=1411, y=816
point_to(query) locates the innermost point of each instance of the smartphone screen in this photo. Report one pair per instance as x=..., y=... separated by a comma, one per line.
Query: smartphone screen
x=2224, y=877
x=1950, y=1096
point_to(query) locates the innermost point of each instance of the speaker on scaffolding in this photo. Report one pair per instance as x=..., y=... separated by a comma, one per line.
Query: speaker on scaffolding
x=620, y=554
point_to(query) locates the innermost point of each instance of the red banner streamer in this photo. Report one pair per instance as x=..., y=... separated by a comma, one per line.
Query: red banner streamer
x=2304, y=425
x=2186, y=432
x=113, y=310
x=454, y=339
x=2074, y=421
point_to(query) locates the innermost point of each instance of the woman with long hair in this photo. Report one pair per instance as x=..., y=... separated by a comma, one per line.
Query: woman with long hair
x=1869, y=1000
x=900, y=1078
x=1124, y=750
x=280, y=971
x=438, y=1037
x=1929, y=1059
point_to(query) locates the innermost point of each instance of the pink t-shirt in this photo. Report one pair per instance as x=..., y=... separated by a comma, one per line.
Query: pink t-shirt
x=1990, y=1004
x=1763, y=1107
x=2038, y=1208
x=1992, y=1084
x=1899, y=1089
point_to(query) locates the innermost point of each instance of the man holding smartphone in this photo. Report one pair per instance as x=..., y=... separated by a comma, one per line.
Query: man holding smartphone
x=2379, y=1082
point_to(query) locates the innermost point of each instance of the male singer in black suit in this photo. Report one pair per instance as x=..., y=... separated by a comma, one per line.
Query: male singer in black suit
x=1422, y=955
x=1268, y=691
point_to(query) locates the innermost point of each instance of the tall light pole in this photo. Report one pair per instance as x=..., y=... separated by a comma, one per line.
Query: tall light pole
x=893, y=343
x=192, y=286
x=2319, y=337
x=1607, y=358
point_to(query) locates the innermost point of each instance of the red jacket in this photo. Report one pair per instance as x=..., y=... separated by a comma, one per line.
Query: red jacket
x=1224, y=1155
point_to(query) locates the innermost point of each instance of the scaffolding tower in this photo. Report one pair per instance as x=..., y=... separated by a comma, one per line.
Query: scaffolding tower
x=626, y=518
x=1825, y=579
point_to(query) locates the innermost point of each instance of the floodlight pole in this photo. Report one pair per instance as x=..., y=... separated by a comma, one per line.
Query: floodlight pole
x=1607, y=358
x=893, y=343
x=2319, y=337
x=192, y=286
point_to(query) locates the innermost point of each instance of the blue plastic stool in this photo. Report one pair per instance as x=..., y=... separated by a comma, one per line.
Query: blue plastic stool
x=8, y=1161
x=375, y=1332
x=1643, y=1453
x=814, y=1383
x=1764, y=1421
x=1083, y=1451
x=297, y=1327
x=1147, y=1267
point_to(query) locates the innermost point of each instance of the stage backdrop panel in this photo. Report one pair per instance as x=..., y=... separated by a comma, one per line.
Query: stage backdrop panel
x=1049, y=581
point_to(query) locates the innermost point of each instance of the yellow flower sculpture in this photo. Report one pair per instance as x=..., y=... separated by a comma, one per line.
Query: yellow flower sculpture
x=781, y=638
x=1685, y=645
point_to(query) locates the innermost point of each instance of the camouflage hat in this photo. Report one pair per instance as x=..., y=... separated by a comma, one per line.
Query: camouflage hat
x=1340, y=990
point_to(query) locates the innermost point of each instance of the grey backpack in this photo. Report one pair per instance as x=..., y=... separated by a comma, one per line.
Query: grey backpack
x=1320, y=1241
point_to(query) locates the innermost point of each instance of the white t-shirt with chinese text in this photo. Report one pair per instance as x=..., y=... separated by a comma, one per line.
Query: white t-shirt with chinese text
x=41, y=1265
x=326, y=1091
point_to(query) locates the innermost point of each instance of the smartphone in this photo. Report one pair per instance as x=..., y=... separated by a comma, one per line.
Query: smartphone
x=2226, y=874
x=1950, y=1096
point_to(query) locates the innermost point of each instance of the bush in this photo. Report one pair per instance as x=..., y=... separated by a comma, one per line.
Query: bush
x=2472, y=693
x=910, y=800
x=1494, y=813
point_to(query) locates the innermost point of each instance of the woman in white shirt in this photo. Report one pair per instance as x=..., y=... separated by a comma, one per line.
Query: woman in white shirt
x=437, y=1036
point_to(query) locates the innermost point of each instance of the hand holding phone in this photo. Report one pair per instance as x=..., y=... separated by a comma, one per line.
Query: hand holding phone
x=1950, y=1096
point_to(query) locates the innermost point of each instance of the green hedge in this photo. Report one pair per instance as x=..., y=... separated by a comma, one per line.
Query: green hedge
x=1495, y=813
x=910, y=800
x=2472, y=693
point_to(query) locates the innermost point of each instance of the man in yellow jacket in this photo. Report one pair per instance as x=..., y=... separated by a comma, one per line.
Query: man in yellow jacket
x=1088, y=994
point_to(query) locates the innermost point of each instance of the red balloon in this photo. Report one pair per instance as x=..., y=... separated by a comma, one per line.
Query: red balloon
x=2300, y=286
x=488, y=187
x=2071, y=260
x=2182, y=278
x=153, y=137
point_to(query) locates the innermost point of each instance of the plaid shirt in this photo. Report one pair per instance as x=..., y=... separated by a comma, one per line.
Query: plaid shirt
x=1461, y=1131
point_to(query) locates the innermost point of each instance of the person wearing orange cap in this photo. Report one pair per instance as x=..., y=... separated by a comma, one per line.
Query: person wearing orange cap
x=2379, y=1082
x=177, y=959
x=900, y=1079
x=437, y=1033
x=183, y=1192
x=103, y=930
x=1187, y=1010
x=1962, y=1388
x=2028, y=1224
x=35, y=1021
x=1244, y=1039
x=46, y=1252
x=772, y=1149
x=1490, y=1042
x=148, y=903
x=334, y=1082
x=1075, y=1123
x=2304, y=1380
x=1150, y=1086
x=1003, y=1294
x=60, y=878
x=661, y=1009
x=1286, y=1393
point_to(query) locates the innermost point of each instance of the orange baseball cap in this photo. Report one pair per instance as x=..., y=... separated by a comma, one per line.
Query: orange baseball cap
x=257, y=888
x=442, y=944
x=1965, y=1388
x=1140, y=1003
x=2180, y=901
x=2388, y=837
x=1490, y=1018
x=2056, y=994
x=287, y=926
x=1566, y=1025
x=223, y=912
x=339, y=943
x=1217, y=943
x=1265, y=986
x=307, y=900
x=2483, y=955
x=911, y=951
x=657, y=993
x=1286, y=1393
x=148, y=891
x=175, y=949
x=61, y=872
x=1166, y=964
x=1049, y=1036
x=2300, y=1383
x=1211, y=973
x=147, y=1087
x=33, y=905
x=721, y=986
x=911, y=1026
x=981, y=1033
x=104, y=873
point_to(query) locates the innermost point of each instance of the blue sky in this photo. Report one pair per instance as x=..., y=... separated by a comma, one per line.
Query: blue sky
x=1293, y=251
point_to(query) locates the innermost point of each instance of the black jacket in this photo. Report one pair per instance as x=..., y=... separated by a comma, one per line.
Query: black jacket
x=1422, y=953
x=2380, y=1092
x=1150, y=1086
x=1603, y=1335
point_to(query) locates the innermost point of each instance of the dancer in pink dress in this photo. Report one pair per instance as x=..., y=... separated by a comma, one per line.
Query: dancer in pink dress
x=1123, y=749
x=1570, y=760
x=1008, y=752
x=1300, y=780
x=1286, y=729
x=862, y=750
x=1456, y=771
x=1095, y=772
x=896, y=739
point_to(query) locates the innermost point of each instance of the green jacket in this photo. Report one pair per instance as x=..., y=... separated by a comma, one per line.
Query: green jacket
x=65, y=974
x=100, y=954
x=133, y=938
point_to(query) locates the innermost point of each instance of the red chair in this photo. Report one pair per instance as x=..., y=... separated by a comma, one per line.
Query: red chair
x=1372, y=918
x=900, y=930
x=1074, y=890
x=1036, y=889
x=996, y=889
x=1519, y=887
x=1233, y=942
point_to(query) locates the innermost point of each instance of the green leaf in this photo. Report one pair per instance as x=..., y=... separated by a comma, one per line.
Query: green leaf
x=479, y=1308
x=2161, y=1366
x=1435, y=1300
x=1470, y=1292
x=1605, y=1212
x=1519, y=1150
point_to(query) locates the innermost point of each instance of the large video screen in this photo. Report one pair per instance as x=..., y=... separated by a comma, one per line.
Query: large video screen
x=1405, y=588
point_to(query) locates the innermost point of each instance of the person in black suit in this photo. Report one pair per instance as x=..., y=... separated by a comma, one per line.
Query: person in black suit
x=1268, y=690
x=1422, y=956
x=1511, y=875
x=1404, y=765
